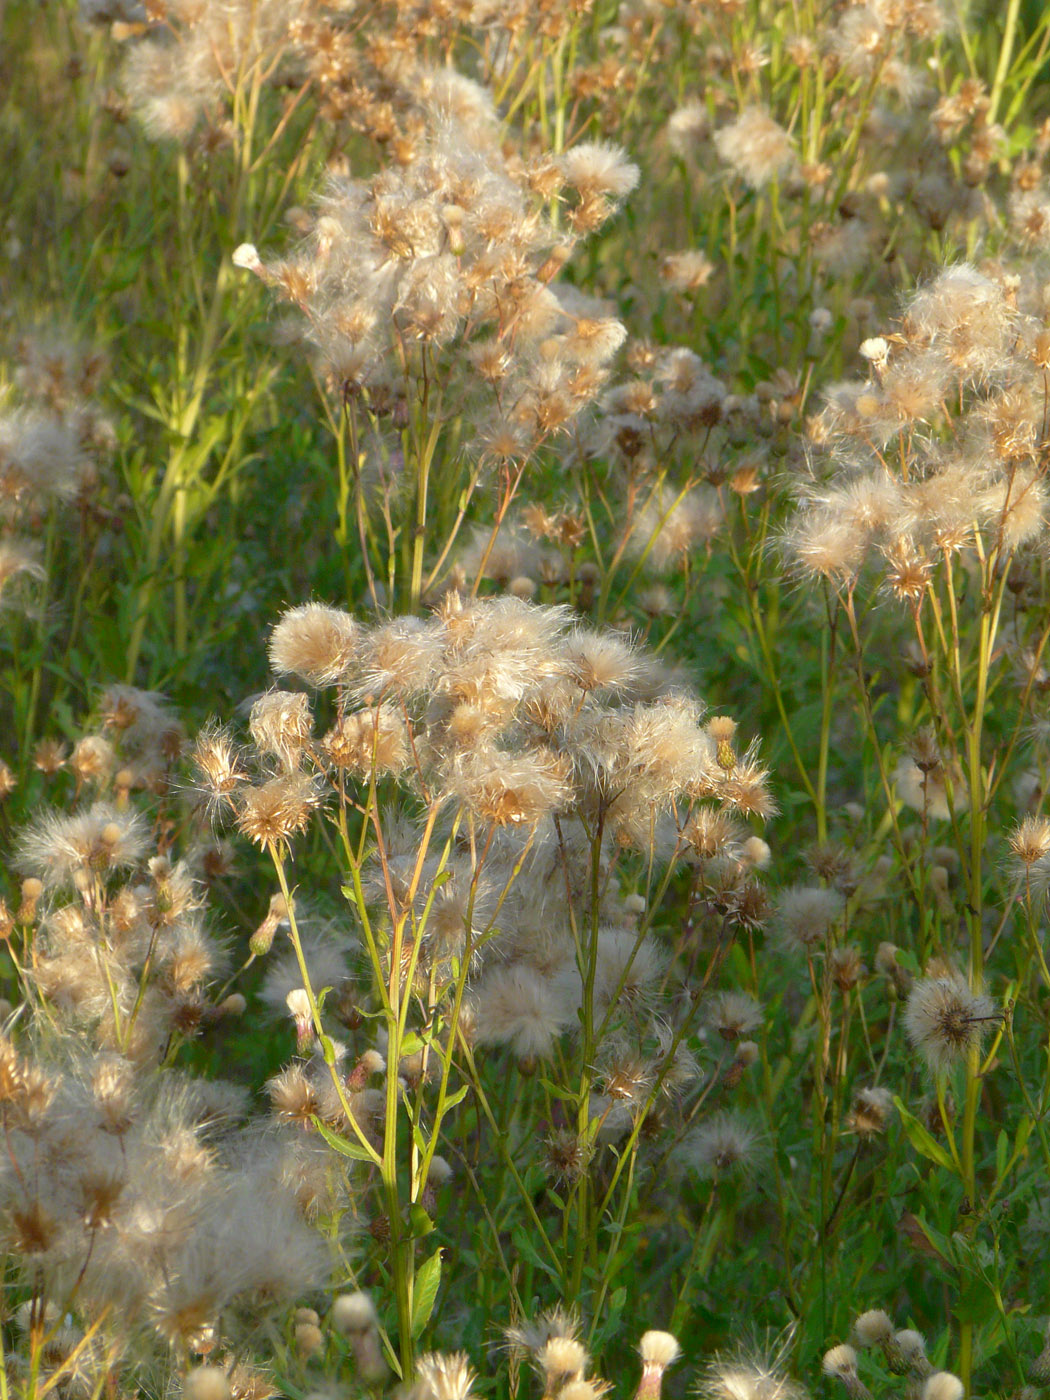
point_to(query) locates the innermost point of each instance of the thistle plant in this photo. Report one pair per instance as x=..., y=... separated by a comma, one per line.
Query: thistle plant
x=552, y=778
x=937, y=503
x=448, y=351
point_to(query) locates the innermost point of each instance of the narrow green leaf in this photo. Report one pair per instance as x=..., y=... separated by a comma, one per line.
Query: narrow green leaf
x=422, y=1225
x=921, y=1140
x=1002, y=1149
x=427, y=1282
x=341, y=1144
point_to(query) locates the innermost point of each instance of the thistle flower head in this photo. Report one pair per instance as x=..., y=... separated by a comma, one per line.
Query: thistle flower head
x=868, y=1116
x=804, y=916
x=445, y=1377
x=315, y=642
x=945, y=1020
x=748, y=1376
x=942, y=1385
x=723, y=1144
x=272, y=813
x=756, y=147
x=101, y=839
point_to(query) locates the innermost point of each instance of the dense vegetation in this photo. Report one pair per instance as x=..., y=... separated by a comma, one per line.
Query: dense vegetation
x=524, y=603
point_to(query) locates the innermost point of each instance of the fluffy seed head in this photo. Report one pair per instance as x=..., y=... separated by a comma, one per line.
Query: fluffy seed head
x=868, y=1116
x=804, y=916
x=840, y=1361
x=872, y=1328
x=945, y=1020
x=269, y=815
x=942, y=1385
x=315, y=642
x=756, y=147
x=446, y=1377
x=724, y=1144
x=562, y=1360
x=206, y=1383
x=659, y=1349
x=353, y=1312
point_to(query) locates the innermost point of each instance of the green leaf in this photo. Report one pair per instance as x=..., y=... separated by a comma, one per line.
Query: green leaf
x=427, y=1281
x=457, y=1097
x=341, y=1145
x=921, y=1140
x=422, y=1225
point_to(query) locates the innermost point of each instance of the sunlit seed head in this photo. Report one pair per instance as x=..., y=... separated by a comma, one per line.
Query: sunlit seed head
x=93, y=760
x=598, y=168
x=445, y=1377
x=206, y=1383
x=756, y=147
x=658, y=1350
x=315, y=642
x=281, y=726
x=748, y=1376
x=561, y=1360
x=1030, y=844
x=270, y=814
x=368, y=739
x=59, y=850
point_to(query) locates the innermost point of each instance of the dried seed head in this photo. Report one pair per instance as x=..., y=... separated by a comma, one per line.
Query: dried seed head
x=218, y=761
x=658, y=1350
x=1030, y=842
x=841, y=1362
x=368, y=738
x=281, y=725
x=445, y=1377
x=62, y=850
x=756, y=147
x=561, y=1360
x=804, y=917
x=868, y=1116
x=269, y=815
x=945, y=1020
x=207, y=1383
x=726, y=1143
x=315, y=642
x=942, y=1385
x=733, y=1014
x=912, y=1346
x=353, y=1312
